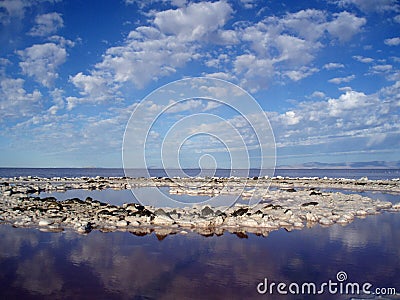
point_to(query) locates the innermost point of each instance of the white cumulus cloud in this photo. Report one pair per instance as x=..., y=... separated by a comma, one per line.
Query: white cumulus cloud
x=371, y=5
x=41, y=62
x=365, y=60
x=10, y=9
x=287, y=45
x=393, y=41
x=339, y=80
x=351, y=122
x=333, y=66
x=301, y=73
x=348, y=101
x=15, y=101
x=381, y=69
x=318, y=94
x=345, y=25
x=195, y=21
x=47, y=24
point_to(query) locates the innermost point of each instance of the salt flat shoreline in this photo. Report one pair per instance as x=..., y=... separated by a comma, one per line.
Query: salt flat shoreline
x=293, y=203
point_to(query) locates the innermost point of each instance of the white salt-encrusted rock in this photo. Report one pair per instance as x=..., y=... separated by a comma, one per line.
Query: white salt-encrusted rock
x=257, y=217
x=121, y=223
x=361, y=213
x=269, y=224
x=202, y=223
x=384, y=205
x=249, y=223
x=332, y=217
x=349, y=217
x=285, y=224
x=230, y=221
x=298, y=224
x=45, y=222
x=163, y=221
x=325, y=221
x=187, y=223
x=132, y=220
x=19, y=223
x=134, y=223
x=7, y=193
x=81, y=229
x=396, y=206
x=310, y=217
x=288, y=213
x=218, y=221
x=342, y=220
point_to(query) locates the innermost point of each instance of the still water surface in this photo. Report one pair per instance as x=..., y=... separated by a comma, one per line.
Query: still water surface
x=120, y=265
x=119, y=197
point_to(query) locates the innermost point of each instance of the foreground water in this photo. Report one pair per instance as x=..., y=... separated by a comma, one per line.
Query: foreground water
x=121, y=265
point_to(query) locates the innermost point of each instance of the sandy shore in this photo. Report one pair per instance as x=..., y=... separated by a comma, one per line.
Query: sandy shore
x=293, y=203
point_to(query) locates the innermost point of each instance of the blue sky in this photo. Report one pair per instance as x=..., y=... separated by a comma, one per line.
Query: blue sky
x=326, y=73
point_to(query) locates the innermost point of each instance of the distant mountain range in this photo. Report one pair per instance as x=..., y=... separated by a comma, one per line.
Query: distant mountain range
x=345, y=165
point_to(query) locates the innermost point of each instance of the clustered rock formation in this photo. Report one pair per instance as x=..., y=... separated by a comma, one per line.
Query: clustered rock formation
x=292, y=204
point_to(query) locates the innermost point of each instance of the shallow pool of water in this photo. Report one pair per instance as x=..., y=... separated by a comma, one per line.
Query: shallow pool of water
x=116, y=197
x=377, y=195
x=119, y=197
x=151, y=196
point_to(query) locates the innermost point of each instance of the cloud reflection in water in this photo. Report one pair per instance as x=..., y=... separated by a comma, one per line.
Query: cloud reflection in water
x=122, y=265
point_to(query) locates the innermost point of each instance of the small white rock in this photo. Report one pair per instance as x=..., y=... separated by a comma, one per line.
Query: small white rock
x=134, y=223
x=218, y=221
x=325, y=221
x=162, y=221
x=249, y=223
x=384, y=205
x=298, y=224
x=121, y=223
x=342, y=220
x=311, y=217
x=284, y=223
x=361, y=212
x=44, y=222
x=396, y=206
x=80, y=229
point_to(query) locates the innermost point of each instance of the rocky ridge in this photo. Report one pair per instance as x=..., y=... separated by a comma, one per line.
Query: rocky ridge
x=293, y=204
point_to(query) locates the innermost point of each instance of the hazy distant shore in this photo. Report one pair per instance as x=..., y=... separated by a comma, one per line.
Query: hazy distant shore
x=350, y=173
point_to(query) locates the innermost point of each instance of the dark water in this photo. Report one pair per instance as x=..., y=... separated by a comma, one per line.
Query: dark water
x=92, y=172
x=120, y=265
